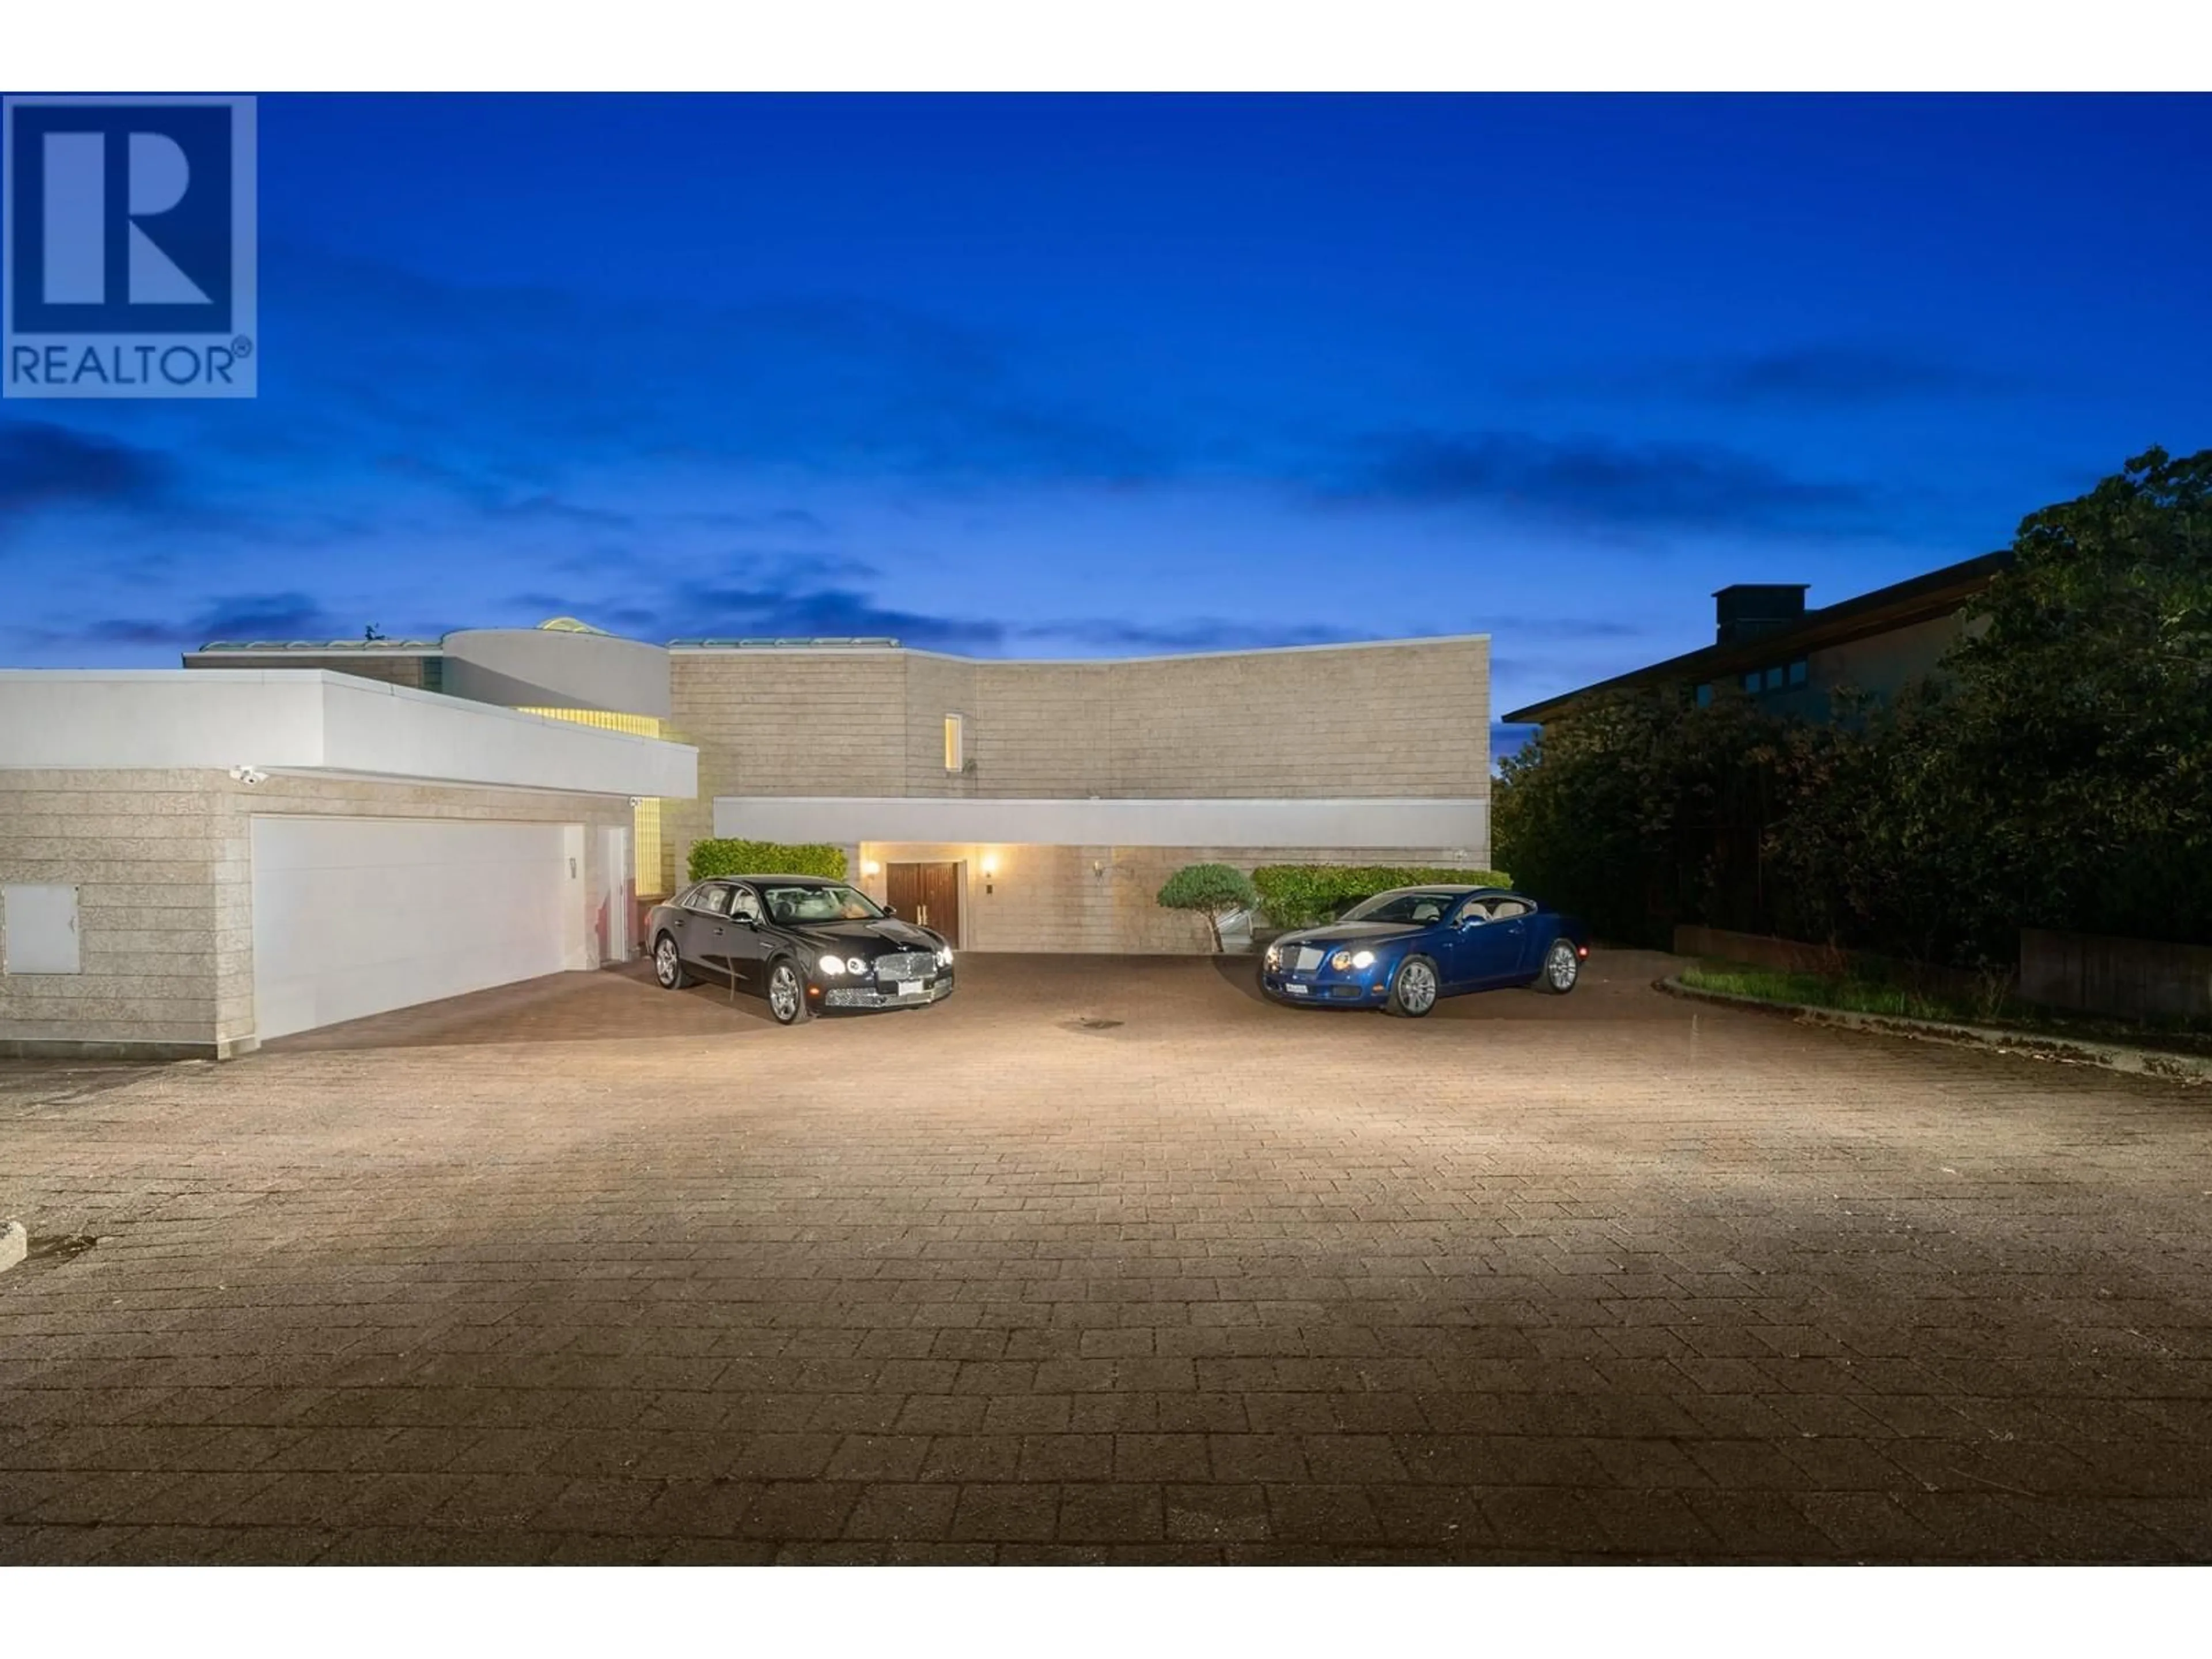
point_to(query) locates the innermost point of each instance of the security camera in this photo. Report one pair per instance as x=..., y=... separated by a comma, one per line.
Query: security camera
x=249, y=775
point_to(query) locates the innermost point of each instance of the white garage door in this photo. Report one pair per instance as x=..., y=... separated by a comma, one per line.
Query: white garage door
x=352, y=916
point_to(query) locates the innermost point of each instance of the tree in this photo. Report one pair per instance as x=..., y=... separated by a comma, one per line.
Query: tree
x=2058, y=772
x=2080, y=736
x=1214, y=890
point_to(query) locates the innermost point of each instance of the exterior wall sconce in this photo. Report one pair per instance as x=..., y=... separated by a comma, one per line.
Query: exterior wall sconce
x=990, y=873
x=1098, y=869
x=870, y=867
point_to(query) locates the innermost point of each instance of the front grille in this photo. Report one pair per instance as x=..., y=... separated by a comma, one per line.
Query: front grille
x=857, y=996
x=905, y=965
x=1308, y=958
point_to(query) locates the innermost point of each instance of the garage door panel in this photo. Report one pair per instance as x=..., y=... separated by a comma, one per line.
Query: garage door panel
x=356, y=916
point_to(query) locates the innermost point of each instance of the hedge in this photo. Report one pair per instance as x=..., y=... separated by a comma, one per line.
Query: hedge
x=727, y=857
x=1301, y=895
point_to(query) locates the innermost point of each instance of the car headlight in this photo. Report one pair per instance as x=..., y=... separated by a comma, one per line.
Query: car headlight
x=829, y=967
x=855, y=964
x=1340, y=961
x=1274, y=956
x=945, y=957
x=1362, y=958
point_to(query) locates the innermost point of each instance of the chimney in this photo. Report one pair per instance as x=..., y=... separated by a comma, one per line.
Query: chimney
x=1747, y=610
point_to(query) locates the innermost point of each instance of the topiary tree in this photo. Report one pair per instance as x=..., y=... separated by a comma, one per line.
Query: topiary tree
x=1213, y=890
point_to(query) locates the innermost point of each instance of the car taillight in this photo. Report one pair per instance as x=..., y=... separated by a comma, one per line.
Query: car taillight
x=1582, y=950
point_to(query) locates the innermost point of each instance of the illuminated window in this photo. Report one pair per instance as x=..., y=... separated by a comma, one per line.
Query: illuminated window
x=952, y=755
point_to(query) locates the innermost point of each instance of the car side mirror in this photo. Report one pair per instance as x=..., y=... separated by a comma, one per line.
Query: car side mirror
x=890, y=909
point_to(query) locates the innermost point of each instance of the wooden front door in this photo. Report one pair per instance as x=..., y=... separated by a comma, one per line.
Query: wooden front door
x=927, y=895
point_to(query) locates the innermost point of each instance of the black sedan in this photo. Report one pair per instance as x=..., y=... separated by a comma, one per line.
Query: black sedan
x=803, y=942
x=1403, y=949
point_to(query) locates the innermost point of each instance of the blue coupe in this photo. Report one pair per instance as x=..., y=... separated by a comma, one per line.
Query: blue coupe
x=1402, y=950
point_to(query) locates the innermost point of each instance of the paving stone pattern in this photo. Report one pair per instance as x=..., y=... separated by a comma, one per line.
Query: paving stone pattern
x=581, y=1273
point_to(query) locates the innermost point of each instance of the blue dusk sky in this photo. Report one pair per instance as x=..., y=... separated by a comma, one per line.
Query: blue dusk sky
x=1066, y=377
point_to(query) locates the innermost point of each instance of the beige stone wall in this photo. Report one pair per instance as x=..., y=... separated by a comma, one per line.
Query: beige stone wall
x=144, y=850
x=163, y=863
x=783, y=723
x=936, y=687
x=395, y=670
x=1401, y=720
x=1087, y=899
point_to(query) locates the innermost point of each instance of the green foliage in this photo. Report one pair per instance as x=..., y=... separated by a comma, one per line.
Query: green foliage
x=764, y=857
x=1215, y=890
x=1641, y=810
x=1301, y=895
x=1859, y=992
x=2058, y=774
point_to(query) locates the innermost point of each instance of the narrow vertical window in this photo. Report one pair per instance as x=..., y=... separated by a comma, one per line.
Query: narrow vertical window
x=953, y=757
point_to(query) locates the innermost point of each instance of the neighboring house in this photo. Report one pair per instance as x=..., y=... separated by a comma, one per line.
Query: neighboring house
x=1025, y=806
x=1795, y=661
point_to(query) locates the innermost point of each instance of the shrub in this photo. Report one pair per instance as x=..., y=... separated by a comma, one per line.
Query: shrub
x=1300, y=895
x=1214, y=890
x=727, y=857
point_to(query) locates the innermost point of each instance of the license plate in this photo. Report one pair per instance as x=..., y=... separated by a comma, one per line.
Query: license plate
x=1295, y=990
x=910, y=987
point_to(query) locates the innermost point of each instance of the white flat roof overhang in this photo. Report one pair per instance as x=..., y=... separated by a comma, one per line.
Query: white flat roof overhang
x=294, y=720
x=1381, y=823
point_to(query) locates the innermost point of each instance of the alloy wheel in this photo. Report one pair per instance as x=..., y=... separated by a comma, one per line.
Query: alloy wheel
x=1561, y=966
x=784, y=992
x=1416, y=987
x=664, y=962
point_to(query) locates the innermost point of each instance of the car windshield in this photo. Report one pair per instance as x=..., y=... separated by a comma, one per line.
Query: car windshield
x=835, y=904
x=1415, y=908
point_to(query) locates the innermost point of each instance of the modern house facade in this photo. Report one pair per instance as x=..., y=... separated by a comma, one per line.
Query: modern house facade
x=1797, y=661
x=1039, y=806
x=1018, y=805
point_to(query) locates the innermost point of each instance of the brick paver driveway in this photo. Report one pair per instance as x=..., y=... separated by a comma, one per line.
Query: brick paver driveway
x=1104, y=1260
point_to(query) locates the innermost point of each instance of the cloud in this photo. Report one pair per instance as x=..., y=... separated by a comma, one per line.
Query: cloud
x=1830, y=376
x=1840, y=375
x=1598, y=480
x=486, y=383
x=238, y=617
x=1564, y=628
x=720, y=613
x=44, y=466
x=1201, y=634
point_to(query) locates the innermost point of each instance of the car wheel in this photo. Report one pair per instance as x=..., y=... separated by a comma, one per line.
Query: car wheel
x=668, y=965
x=1413, y=988
x=1563, y=966
x=787, y=992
